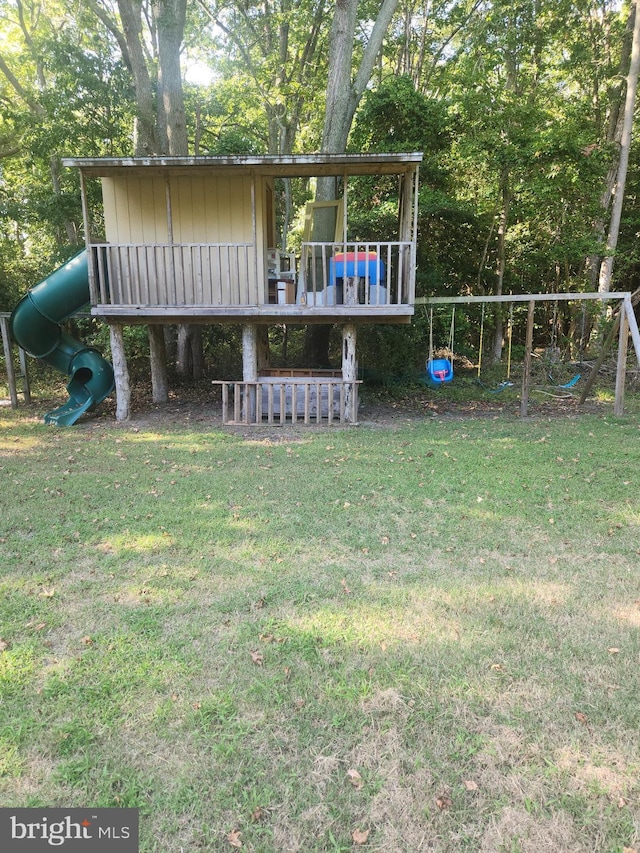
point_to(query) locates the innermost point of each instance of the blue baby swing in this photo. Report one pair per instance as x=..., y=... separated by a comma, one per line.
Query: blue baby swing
x=440, y=370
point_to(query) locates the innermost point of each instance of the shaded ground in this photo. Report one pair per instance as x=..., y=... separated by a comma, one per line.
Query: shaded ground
x=198, y=405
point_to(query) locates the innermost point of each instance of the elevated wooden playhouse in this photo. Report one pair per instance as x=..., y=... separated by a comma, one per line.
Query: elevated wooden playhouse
x=194, y=240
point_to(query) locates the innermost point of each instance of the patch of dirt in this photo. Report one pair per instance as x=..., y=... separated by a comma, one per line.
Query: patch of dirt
x=199, y=407
x=516, y=829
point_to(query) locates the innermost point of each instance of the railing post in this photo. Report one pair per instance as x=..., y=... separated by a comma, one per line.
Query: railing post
x=225, y=402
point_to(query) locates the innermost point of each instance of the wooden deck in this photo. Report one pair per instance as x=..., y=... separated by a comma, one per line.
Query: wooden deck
x=224, y=282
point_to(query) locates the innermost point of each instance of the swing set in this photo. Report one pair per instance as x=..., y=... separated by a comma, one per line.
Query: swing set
x=440, y=370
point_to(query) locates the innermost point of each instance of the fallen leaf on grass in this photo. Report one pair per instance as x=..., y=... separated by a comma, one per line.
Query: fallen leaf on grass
x=470, y=785
x=444, y=802
x=47, y=593
x=583, y=720
x=613, y=651
x=234, y=838
x=259, y=814
x=360, y=836
x=257, y=657
x=87, y=641
x=355, y=778
x=4, y=645
x=344, y=586
x=270, y=638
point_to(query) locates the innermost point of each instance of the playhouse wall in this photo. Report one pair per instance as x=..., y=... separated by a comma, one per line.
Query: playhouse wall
x=204, y=209
x=135, y=210
x=204, y=228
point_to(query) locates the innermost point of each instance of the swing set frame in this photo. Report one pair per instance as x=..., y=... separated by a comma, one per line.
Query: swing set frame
x=627, y=326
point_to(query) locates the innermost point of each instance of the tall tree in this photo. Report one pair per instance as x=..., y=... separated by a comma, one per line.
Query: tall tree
x=150, y=38
x=277, y=49
x=606, y=269
x=348, y=75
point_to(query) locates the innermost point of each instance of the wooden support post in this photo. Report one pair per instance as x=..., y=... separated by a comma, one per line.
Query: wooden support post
x=633, y=326
x=349, y=373
x=250, y=352
x=24, y=372
x=158, y=364
x=526, y=374
x=249, y=370
x=8, y=360
x=621, y=369
x=121, y=373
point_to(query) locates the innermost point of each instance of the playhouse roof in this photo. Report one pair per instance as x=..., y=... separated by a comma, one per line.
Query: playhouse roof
x=296, y=165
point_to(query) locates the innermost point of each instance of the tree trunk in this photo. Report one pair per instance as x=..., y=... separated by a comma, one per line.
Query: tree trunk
x=344, y=92
x=172, y=127
x=613, y=137
x=158, y=361
x=505, y=194
x=71, y=232
x=190, y=357
x=121, y=373
x=606, y=269
x=263, y=357
x=145, y=142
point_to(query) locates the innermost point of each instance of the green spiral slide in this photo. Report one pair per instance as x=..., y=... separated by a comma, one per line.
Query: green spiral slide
x=36, y=326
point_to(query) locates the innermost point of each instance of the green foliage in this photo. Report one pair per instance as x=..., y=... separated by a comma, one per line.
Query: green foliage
x=396, y=117
x=226, y=118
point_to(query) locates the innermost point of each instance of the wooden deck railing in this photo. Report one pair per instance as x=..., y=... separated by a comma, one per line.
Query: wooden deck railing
x=280, y=401
x=378, y=275
x=361, y=273
x=181, y=275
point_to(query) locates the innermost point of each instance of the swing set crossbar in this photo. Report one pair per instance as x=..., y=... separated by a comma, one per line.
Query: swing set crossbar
x=521, y=297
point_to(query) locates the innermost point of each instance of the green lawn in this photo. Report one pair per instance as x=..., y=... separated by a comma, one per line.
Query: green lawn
x=416, y=638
